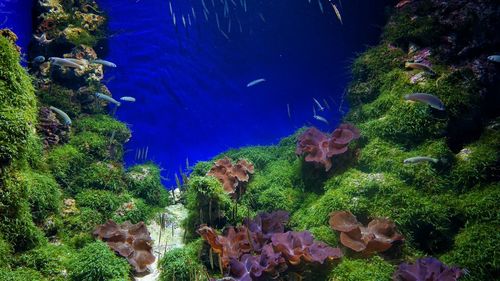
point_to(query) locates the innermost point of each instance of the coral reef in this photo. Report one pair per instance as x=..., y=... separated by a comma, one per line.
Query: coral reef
x=51, y=129
x=131, y=241
x=320, y=148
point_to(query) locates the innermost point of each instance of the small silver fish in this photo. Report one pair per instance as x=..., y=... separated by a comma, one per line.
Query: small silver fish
x=420, y=66
x=129, y=99
x=39, y=59
x=104, y=62
x=429, y=99
x=65, y=117
x=420, y=159
x=107, y=98
x=288, y=111
x=322, y=119
x=494, y=58
x=64, y=63
x=337, y=12
x=81, y=62
x=320, y=107
x=255, y=82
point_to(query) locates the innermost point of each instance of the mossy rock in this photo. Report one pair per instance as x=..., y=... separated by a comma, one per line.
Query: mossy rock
x=102, y=201
x=373, y=269
x=86, y=220
x=182, y=264
x=97, y=262
x=48, y=259
x=140, y=212
x=103, y=125
x=477, y=248
x=79, y=36
x=481, y=204
x=18, y=108
x=5, y=252
x=100, y=175
x=144, y=181
x=96, y=146
x=44, y=195
x=21, y=274
x=65, y=162
x=16, y=222
x=325, y=234
x=63, y=98
x=405, y=28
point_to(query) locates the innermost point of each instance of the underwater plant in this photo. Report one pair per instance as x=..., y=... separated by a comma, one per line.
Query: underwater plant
x=320, y=148
x=131, y=241
x=427, y=269
x=378, y=236
x=261, y=249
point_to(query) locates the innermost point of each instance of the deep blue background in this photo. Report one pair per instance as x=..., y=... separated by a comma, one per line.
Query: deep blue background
x=190, y=83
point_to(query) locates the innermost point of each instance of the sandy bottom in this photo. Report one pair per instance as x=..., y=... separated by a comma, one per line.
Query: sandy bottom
x=171, y=237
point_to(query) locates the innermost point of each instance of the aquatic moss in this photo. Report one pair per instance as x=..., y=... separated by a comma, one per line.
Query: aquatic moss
x=16, y=223
x=481, y=204
x=65, y=162
x=102, y=201
x=61, y=97
x=478, y=161
x=79, y=36
x=86, y=220
x=94, y=146
x=373, y=269
x=404, y=28
x=103, y=125
x=5, y=252
x=48, y=259
x=43, y=193
x=18, y=109
x=21, y=274
x=144, y=181
x=182, y=264
x=325, y=234
x=100, y=175
x=140, y=212
x=96, y=262
x=477, y=248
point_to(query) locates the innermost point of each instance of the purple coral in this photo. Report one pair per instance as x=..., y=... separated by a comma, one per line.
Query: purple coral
x=427, y=269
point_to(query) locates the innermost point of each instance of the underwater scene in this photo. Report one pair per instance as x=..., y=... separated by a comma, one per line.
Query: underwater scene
x=249, y=140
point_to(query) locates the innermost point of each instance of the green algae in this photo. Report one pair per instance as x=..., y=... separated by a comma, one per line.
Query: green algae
x=373, y=269
x=183, y=263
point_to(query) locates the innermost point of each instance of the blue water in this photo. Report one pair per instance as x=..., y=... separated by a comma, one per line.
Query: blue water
x=16, y=15
x=190, y=83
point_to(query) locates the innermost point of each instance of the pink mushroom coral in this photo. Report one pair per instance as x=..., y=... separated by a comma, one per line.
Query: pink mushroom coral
x=320, y=148
x=232, y=176
x=378, y=236
x=131, y=241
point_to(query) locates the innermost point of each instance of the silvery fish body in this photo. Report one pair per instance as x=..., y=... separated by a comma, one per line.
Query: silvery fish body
x=419, y=159
x=420, y=66
x=81, y=62
x=39, y=59
x=129, y=99
x=107, y=98
x=255, y=82
x=429, y=99
x=65, y=117
x=321, y=118
x=494, y=58
x=64, y=62
x=104, y=62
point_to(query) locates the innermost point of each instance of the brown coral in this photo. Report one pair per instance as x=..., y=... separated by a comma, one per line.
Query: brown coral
x=232, y=176
x=131, y=241
x=378, y=236
x=320, y=148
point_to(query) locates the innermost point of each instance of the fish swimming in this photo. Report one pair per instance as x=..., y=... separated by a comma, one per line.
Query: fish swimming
x=64, y=63
x=429, y=99
x=104, y=62
x=420, y=159
x=327, y=105
x=320, y=107
x=337, y=13
x=494, y=58
x=322, y=119
x=288, y=110
x=81, y=62
x=170, y=6
x=255, y=82
x=39, y=59
x=129, y=99
x=420, y=66
x=65, y=117
x=107, y=98
x=321, y=6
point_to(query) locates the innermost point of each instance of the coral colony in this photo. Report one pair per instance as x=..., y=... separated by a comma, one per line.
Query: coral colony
x=425, y=96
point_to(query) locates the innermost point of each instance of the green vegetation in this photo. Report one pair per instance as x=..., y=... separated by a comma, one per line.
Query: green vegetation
x=44, y=195
x=96, y=262
x=182, y=264
x=144, y=181
x=373, y=269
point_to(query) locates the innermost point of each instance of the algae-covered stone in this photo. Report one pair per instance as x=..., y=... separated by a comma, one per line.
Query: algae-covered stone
x=43, y=193
x=373, y=269
x=182, y=264
x=144, y=181
x=100, y=175
x=65, y=162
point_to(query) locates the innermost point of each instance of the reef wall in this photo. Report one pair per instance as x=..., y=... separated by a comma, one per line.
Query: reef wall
x=61, y=153
x=444, y=207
